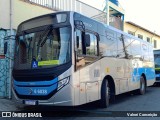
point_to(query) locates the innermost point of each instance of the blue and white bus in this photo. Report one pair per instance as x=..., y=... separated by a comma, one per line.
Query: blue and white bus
x=67, y=59
x=157, y=64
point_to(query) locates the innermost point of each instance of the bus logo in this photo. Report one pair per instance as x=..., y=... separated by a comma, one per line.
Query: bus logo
x=30, y=91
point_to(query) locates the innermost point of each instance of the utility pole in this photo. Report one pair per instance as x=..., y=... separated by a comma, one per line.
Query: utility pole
x=10, y=47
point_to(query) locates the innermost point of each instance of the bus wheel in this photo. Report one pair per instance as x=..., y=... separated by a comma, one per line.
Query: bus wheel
x=142, y=88
x=105, y=94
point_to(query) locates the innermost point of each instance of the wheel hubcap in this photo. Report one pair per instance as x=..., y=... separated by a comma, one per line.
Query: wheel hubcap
x=108, y=92
x=142, y=86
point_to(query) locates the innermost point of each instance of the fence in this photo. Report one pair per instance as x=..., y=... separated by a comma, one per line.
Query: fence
x=4, y=64
x=68, y=5
x=80, y=7
x=57, y=5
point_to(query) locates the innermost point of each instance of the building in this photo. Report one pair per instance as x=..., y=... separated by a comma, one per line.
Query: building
x=142, y=33
x=116, y=14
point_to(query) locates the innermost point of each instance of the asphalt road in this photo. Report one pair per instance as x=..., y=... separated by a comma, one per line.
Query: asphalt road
x=125, y=103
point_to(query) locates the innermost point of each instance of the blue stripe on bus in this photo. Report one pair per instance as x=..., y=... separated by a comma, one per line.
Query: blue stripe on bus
x=149, y=72
x=29, y=88
x=33, y=91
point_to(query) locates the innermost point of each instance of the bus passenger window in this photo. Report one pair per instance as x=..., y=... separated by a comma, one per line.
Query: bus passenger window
x=92, y=49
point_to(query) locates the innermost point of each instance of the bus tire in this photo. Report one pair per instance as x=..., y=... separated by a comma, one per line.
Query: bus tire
x=105, y=94
x=142, y=88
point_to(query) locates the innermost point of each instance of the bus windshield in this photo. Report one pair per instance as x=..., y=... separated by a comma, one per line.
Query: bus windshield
x=43, y=48
x=157, y=61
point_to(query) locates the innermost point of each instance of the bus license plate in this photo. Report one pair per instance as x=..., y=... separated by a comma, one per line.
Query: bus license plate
x=30, y=102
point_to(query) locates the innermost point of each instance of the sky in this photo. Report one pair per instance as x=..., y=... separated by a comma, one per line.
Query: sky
x=145, y=13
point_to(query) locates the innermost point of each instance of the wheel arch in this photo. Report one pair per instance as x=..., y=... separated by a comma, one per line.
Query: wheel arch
x=111, y=84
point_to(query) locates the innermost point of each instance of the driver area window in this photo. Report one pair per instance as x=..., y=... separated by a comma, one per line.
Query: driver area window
x=87, y=48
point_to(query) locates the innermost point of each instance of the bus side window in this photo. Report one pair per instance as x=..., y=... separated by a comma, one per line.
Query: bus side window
x=150, y=52
x=87, y=48
x=79, y=42
x=145, y=51
x=91, y=49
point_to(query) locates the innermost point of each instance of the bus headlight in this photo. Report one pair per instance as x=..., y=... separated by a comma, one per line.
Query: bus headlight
x=62, y=83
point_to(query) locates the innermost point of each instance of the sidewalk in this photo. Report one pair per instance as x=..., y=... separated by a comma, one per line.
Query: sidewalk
x=8, y=105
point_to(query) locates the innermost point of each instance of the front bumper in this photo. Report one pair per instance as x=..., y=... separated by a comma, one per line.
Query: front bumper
x=63, y=97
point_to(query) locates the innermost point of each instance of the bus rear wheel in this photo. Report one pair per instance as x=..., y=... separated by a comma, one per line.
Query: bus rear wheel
x=105, y=94
x=142, y=88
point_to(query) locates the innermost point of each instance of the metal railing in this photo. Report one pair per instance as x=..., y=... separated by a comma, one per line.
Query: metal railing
x=102, y=17
x=80, y=7
x=54, y=4
x=68, y=5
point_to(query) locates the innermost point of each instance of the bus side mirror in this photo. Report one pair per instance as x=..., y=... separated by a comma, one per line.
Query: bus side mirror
x=5, y=48
x=87, y=40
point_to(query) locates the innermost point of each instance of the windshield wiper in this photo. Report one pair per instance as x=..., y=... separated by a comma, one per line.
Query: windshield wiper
x=43, y=42
x=43, y=37
x=45, y=33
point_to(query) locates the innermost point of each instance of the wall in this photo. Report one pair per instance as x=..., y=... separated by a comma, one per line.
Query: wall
x=4, y=14
x=23, y=11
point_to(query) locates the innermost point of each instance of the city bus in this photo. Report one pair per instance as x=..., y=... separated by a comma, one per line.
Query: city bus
x=157, y=64
x=67, y=59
